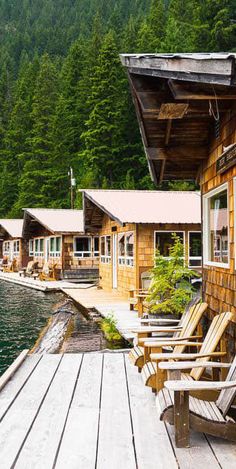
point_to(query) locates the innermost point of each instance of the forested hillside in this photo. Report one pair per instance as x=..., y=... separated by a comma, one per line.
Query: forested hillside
x=64, y=97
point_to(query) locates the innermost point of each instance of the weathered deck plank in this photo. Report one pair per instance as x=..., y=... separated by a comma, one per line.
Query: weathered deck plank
x=152, y=443
x=41, y=445
x=13, y=387
x=79, y=443
x=115, y=438
x=224, y=451
x=16, y=424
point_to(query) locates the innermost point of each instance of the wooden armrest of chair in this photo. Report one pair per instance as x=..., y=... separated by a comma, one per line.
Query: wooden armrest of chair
x=182, y=385
x=160, y=321
x=147, y=329
x=184, y=356
x=151, y=340
x=186, y=365
x=172, y=343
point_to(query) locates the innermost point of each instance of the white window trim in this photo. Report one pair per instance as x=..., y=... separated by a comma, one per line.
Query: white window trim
x=95, y=253
x=125, y=261
x=16, y=253
x=39, y=253
x=105, y=259
x=31, y=252
x=207, y=196
x=8, y=252
x=169, y=231
x=80, y=254
x=197, y=258
x=54, y=253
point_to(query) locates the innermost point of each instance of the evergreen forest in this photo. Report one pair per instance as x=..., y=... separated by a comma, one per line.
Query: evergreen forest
x=64, y=96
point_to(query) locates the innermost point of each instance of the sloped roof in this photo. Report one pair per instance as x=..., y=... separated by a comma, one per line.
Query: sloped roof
x=58, y=220
x=147, y=206
x=13, y=227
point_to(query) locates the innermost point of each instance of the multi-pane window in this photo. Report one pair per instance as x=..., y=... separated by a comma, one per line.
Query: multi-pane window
x=39, y=247
x=195, y=248
x=96, y=246
x=55, y=246
x=126, y=249
x=105, y=249
x=16, y=247
x=31, y=247
x=164, y=240
x=6, y=248
x=82, y=246
x=216, y=230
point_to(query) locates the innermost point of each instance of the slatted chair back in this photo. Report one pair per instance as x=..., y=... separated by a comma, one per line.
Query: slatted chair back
x=227, y=396
x=212, y=340
x=190, y=324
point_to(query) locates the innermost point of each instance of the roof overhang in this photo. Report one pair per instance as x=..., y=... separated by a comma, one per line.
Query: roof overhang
x=94, y=213
x=172, y=95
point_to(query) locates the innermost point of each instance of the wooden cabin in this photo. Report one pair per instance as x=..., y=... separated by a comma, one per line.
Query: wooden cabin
x=133, y=224
x=12, y=244
x=186, y=108
x=57, y=236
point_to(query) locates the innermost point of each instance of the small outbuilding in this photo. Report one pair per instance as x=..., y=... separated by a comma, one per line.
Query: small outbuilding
x=133, y=224
x=57, y=236
x=12, y=244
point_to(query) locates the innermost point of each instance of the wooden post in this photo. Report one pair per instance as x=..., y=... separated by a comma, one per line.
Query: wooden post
x=181, y=418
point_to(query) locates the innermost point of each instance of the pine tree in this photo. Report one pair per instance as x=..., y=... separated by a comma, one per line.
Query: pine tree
x=152, y=30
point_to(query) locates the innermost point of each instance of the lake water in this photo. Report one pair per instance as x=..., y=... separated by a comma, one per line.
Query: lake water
x=23, y=313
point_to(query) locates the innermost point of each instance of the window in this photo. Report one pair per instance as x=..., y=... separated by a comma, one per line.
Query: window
x=96, y=246
x=39, y=247
x=126, y=249
x=164, y=240
x=16, y=247
x=31, y=247
x=195, y=248
x=216, y=230
x=121, y=249
x=55, y=246
x=82, y=246
x=106, y=249
x=6, y=248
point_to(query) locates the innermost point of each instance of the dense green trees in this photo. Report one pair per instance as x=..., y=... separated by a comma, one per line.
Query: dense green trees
x=64, y=96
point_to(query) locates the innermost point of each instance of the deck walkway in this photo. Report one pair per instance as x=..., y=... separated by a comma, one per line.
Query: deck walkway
x=35, y=284
x=91, y=411
x=107, y=303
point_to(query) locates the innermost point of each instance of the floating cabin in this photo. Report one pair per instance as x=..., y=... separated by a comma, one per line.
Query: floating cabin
x=12, y=244
x=57, y=236
x=133, y=224
x=186, y=109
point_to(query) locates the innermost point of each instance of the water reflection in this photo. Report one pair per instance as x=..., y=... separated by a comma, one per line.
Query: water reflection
x=23, y=313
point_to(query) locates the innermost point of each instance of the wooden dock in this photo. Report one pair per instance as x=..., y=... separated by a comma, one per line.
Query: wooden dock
x=91, y=411
x=107, y=303
x=44, y=286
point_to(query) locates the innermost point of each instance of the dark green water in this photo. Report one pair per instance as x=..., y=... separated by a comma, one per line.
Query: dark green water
x=23, y=313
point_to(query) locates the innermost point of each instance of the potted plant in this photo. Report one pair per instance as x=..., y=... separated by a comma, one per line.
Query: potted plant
x=170, y=290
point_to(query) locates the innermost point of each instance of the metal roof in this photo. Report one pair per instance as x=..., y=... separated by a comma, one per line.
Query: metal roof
x=58, y=220
x=13, y=227
x=148, y=206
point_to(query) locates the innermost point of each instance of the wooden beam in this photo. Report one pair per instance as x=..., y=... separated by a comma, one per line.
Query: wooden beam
x=162, y=171
x=180, y=92
x=177, y=152
x=173, y=110
x=168, y=131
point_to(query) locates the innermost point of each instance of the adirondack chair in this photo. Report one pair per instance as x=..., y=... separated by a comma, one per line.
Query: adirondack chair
x=11, y=267
x=48, y=272
x=29, y=270
x=154, y=377
x=185, y=412
x=190, y=321
x=137, y=296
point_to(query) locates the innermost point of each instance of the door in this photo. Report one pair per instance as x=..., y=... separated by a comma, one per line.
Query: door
x=114, y=261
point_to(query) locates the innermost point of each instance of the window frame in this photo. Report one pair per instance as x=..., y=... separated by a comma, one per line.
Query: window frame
x=194, y=257
x=31, y=251
x=95, y=253
x=8, y=251
x=55, y=253
x=39, y=253
x=206, y=237
x=105, y=259
x=169, y=231
x=17, y=243
x=82, y=256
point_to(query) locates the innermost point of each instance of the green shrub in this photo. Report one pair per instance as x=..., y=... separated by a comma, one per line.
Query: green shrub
x=108, y=326
x=170, y=290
